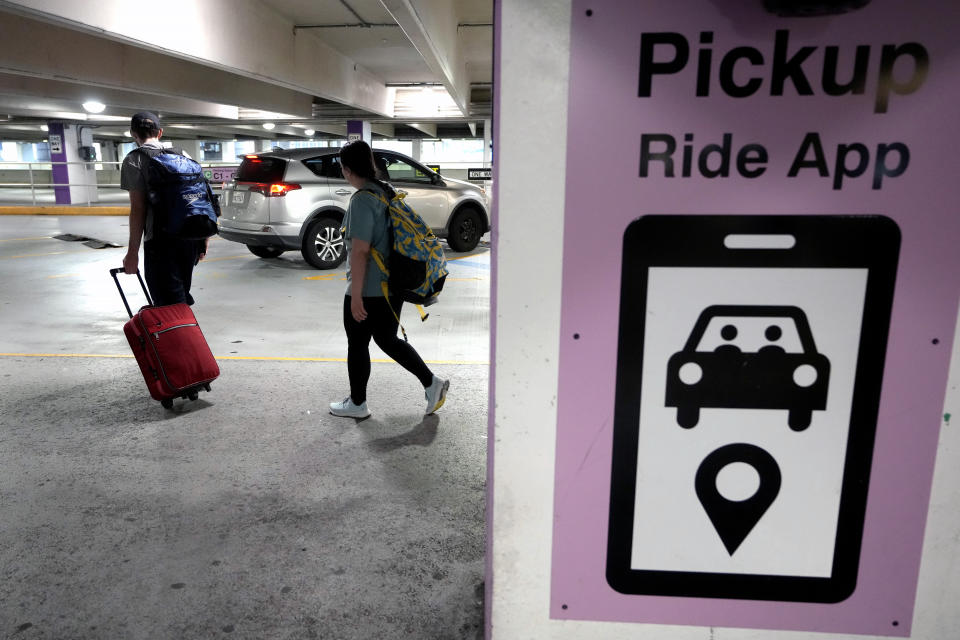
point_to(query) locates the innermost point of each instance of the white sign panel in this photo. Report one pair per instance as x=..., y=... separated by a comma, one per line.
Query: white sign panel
x=751, y=353
x=56, y=143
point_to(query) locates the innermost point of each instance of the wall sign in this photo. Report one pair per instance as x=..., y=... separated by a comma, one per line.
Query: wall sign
x=746, y=434
x=481, y=173
x=56, y=143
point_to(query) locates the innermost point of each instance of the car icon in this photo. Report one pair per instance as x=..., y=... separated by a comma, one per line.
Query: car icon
x=749, y=357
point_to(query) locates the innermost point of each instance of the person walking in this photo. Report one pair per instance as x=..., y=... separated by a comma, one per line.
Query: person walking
x=168, y=261
x=366, y=312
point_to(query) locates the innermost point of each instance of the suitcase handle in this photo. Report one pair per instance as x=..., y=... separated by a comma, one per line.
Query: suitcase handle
x=114, y=272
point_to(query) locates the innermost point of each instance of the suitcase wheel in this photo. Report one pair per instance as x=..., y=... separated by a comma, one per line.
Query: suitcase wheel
x=193, y=395
x=207, y=387
x=167, y=403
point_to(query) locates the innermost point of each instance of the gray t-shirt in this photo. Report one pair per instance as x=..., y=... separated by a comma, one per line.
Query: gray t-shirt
x=133, y=177
x=366, y=220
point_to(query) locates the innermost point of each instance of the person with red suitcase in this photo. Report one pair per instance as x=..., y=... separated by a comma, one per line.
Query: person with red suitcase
x=174, y=212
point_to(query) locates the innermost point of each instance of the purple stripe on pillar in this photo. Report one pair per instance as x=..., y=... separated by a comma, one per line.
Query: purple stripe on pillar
x=58, y=153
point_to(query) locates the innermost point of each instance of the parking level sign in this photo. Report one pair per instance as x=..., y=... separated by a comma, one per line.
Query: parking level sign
x=750, y=360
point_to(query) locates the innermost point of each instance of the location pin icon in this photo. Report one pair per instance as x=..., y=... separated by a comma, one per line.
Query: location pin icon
x=734, y=520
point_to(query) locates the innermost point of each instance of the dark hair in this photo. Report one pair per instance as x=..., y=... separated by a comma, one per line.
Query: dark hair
x=358, y=157
x=145, y=124
x=146, y=131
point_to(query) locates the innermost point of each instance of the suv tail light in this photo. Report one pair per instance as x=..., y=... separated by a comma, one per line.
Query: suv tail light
x=275, y=189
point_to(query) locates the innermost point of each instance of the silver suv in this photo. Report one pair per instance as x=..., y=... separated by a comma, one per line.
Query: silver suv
x=296, y=199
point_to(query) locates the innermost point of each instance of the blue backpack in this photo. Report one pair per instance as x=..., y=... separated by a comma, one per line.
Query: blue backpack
x=181, y=199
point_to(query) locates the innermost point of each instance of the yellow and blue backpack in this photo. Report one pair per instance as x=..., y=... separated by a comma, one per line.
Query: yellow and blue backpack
x=416, y=267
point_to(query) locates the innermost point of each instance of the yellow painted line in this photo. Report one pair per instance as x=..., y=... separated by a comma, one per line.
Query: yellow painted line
x=34, y=238
x=462, y=279
x=259, y=358
x=64, y=210
x=331, y=276
x=64, y=275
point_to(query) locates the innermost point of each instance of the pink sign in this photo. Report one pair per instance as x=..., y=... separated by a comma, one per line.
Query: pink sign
x=759, y=296
x=220, y=174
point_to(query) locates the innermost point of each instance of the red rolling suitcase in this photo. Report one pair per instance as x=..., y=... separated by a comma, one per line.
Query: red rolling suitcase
x=170, y=348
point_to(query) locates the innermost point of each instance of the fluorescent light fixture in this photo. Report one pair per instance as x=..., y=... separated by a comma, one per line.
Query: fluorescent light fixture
x=126, y=134
x=309, y=132
x=44, y=127
x=92, y=106
x=268, y=126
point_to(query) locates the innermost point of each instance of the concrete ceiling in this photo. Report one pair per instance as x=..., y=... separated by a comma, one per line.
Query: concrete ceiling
x=303, y=64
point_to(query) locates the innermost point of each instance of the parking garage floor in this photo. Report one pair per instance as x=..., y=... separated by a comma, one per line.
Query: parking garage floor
x=251, y=512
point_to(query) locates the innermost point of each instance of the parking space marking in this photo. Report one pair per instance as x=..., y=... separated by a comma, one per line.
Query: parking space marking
x=64, y=275
x=482, y=363
x=326, y=276
x=33, y=238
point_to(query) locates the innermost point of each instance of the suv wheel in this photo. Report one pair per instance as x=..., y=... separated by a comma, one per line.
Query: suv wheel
x=464, y=233
x=323, y=246
x=264, y=252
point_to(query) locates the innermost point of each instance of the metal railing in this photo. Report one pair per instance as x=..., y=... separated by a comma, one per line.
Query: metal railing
x=33, y=168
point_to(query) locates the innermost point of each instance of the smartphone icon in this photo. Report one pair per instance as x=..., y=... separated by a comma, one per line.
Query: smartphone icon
x=749, y=368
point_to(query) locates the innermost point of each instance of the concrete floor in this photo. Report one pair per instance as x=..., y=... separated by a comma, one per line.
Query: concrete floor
x=252, y=512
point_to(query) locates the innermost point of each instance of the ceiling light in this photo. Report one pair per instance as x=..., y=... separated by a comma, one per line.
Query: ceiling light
x=44, y=127
x=126, y=134
x=268, y=125
x=92, y=106
x=309, y=132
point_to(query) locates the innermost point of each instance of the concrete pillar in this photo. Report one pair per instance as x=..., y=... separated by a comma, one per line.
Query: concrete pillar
x=487, y=151
x=229, y=149
x=79, y=177
x=415, y=150
x=108, y=153
x=264, y=145
x=192, y=147
x=359, y=130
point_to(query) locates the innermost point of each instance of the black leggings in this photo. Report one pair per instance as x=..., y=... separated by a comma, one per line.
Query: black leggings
x=382, y=327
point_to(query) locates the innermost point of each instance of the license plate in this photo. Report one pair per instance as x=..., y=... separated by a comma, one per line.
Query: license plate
x=238, y=197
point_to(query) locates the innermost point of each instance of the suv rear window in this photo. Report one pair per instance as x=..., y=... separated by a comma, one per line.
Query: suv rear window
x=261, y=169
x=325, y=166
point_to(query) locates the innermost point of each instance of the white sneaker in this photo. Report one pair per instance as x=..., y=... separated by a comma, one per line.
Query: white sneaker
x=436, y=394
x=346, y=409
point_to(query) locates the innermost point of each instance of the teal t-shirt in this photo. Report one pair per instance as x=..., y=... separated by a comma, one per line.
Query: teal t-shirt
x=366, y=220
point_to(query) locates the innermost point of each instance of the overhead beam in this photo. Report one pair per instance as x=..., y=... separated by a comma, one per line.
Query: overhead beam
x=250, y=40
x=385, y=130
x=35, y=93
x=428, y=128
x=431, y=28
x=36, y=49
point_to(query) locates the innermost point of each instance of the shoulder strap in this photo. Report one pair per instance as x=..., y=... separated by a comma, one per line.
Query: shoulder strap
x=152, y=152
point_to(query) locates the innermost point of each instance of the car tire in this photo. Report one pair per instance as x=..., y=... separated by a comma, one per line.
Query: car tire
x=264, y=252
x=688, y=417
x=465, y=230
x=323, y=246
